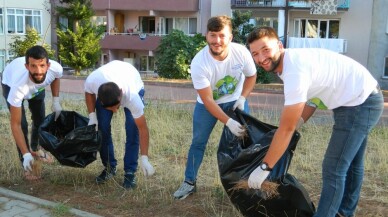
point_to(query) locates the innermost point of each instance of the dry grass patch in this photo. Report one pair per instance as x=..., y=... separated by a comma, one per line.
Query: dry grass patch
x=170, y=138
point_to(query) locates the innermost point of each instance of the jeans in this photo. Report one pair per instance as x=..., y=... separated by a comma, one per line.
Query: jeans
x=107, y=154
x=343, y=163
x=36, y=106
x=203, y=124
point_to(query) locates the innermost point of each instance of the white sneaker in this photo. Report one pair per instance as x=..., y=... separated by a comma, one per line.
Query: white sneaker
x=184, y=190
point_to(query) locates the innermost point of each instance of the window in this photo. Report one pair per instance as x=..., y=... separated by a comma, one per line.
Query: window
x=63, y=23
x=1, y=22
x=2, y=60
x=147, y=24
x=306, y=28
x=265, y=21
x=20, y=19
x=147, y=64
x=185, y=24
x=386, y=67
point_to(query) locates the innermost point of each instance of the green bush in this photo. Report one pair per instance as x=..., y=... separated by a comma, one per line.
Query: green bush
x=175, y=52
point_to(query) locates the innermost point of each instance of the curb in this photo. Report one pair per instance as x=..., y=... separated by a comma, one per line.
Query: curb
x=35, y=200
x=266, y=88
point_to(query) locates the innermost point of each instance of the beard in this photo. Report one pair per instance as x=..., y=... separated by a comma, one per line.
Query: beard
x=275, y=61
x=216, y=53
x=36, y=79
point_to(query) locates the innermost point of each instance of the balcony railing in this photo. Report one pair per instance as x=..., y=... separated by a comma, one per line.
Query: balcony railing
x=342, y=4
x=130, y=41
x=258, y=3
x=334, y=44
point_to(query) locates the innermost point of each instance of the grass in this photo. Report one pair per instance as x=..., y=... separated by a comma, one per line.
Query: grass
x=170, y=137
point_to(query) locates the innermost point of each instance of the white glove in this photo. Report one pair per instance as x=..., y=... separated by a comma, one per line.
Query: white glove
x=257, y=178
x=300, y=123
x=93, y=120
x=28, y=160
x=56, y=107
x=146, y=167
x=235, y=127
x=239, y=103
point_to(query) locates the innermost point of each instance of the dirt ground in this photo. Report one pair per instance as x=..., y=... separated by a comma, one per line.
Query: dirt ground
x=119, y=203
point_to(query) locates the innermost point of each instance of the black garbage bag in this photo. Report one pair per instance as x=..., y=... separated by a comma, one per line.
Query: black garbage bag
x=69, y=139
x=237, y=158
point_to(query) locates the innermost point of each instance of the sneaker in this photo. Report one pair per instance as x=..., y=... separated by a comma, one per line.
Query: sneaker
x=185, y=190
x=129, y=180
x=105, y=175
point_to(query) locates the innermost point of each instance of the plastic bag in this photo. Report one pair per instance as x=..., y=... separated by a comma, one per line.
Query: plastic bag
x=69, y=139
x=237, y=158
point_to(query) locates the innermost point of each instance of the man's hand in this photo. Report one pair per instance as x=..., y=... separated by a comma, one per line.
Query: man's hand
x=239, y=103
x=56, y=107
x=28, y=160
x=146, y=167
x=235, y=127
x=93, y=120
x=257, y=178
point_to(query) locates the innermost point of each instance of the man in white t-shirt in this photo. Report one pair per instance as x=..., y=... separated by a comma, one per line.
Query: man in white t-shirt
x=106, y=89
x=25, y=78
x=223, y=74
x=343, y=85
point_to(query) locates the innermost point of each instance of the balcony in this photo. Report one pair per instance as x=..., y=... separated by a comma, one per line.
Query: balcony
x=257, y=3
x=342, y=4
x=333, y=44
x=130, y=41
x=146, y=5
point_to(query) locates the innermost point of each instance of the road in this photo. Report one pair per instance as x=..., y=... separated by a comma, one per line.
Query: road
x=185, y=94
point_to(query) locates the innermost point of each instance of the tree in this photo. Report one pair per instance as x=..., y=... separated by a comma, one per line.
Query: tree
x=20, y=44
x=241, y=28
x=79, y=47
x=175, y=52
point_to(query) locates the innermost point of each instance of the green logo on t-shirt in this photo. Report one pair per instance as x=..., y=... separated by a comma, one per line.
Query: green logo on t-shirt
x=227, y=85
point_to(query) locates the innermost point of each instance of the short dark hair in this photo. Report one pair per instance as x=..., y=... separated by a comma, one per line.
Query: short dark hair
x=109, y=94
x=261, y=32
x=217, y=23
x=37, y=52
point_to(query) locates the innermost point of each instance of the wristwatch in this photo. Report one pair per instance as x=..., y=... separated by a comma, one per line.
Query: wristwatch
x=264, y=166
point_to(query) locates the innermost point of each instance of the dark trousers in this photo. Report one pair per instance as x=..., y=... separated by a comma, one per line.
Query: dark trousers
x=37, y=108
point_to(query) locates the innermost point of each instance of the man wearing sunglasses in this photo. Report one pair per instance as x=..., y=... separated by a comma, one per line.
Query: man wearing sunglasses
x=106, y=89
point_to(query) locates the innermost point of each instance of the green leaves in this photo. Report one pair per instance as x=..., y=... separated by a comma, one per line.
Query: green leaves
x=175, y=53
x=21, y=44
x=79, y=47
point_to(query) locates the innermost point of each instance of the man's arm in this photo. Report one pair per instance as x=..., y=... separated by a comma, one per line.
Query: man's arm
x=248, y=86
x=206, y=95
x=55, y=85
x=90, y=100
x=308, y=111
x=144, y=136
x=16, y=127
x=288, y=121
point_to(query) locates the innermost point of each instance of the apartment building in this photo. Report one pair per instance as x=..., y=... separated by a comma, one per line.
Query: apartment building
x=349, y=28
x=15, y=17
x=134, y=27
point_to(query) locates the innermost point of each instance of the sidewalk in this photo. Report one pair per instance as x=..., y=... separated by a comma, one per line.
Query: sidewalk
x=14, y=204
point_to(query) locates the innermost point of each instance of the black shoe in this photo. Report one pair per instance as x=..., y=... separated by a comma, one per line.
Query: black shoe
x=105, y=175
x=129, y=180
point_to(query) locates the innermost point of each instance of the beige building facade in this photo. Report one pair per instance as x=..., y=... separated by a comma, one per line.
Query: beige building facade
x=15, y=17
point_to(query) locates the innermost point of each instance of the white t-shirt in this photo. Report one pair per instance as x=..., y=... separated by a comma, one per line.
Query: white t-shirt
x=334, y=78
x=226, y=78
x=16, y=76
x=126, y=77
